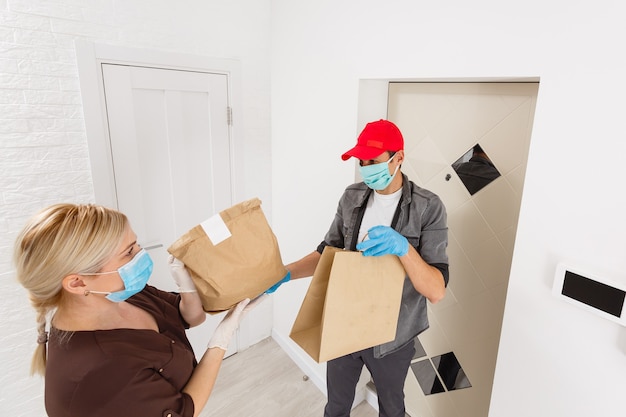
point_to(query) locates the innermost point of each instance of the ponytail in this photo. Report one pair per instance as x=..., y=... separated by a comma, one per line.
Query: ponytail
x=38, y=363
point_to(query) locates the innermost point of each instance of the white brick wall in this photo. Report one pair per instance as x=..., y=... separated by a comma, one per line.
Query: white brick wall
x=43, y=148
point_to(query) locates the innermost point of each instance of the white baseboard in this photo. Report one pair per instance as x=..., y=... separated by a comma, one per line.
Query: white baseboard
x=319, y=378
x=371, y=398
x=290, y=349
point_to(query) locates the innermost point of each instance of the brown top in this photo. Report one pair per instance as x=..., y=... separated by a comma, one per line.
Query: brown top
x=123, y=372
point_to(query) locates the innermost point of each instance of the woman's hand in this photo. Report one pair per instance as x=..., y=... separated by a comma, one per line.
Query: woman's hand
x=225, y=330
x=181, y=275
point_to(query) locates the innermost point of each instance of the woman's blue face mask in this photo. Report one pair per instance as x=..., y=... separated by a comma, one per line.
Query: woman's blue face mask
x=134, y=274
x=376, y=176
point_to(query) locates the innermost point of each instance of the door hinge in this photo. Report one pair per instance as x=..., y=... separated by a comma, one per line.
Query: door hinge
x=229, y=116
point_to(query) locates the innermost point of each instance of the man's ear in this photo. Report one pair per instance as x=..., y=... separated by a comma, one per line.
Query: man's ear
x=74, y=284
x=400, y=154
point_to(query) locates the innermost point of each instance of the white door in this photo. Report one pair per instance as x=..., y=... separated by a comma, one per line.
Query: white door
x=452, y=373
x=170, y=146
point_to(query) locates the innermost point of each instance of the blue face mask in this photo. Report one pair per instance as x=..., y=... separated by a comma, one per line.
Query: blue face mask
x=376, y=176
x=134, y=274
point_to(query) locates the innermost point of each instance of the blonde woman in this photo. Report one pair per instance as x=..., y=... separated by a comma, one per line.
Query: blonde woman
x=115, y=345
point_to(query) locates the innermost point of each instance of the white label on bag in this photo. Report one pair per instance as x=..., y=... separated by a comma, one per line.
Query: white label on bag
x=216, y=229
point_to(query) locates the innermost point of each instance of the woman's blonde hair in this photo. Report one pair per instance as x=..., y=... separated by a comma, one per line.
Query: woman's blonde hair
x=62, y=240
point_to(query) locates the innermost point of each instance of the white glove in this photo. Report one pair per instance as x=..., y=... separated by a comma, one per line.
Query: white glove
x=181, y=276
x=225, y=330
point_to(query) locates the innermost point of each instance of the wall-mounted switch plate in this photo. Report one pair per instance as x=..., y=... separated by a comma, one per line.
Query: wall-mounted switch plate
x=592, y=292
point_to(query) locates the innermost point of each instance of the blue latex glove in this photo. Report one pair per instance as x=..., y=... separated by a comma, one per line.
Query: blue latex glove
x=383, y=240
x=279, y=283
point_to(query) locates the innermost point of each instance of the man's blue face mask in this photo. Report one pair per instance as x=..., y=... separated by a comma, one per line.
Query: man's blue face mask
x=376, y=176
x=134, y=274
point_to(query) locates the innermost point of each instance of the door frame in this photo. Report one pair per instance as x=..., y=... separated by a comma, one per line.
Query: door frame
x=374, y=93
x=372, y=104
x=91, y=55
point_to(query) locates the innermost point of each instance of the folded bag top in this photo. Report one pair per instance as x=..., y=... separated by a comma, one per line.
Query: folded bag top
x=231, y=256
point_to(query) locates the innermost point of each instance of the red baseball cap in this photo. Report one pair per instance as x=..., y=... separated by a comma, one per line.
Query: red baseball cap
x=376, y=138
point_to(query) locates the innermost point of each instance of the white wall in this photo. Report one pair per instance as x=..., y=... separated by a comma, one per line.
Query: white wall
x=43, y=146
x=555, y=359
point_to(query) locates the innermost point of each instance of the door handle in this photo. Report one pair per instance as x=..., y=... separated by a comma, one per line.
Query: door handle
x=160, y=245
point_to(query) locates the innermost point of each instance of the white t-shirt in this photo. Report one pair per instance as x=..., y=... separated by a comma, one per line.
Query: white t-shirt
x=380, y=210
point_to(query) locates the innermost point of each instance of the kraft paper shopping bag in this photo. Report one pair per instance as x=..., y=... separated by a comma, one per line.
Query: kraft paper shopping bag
x=352, y=303
x=231, y=256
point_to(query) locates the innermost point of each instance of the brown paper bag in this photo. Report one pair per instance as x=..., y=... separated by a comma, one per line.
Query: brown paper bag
x=231, y=256
x=352, y=304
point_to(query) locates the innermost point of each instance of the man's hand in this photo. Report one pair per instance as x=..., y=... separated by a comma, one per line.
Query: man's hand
x=279, y=283
x=383, y=240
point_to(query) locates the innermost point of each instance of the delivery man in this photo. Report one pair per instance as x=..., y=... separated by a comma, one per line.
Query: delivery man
x=396, y=217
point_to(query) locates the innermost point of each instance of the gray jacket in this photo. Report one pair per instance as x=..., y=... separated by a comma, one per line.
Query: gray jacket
x=421, y=218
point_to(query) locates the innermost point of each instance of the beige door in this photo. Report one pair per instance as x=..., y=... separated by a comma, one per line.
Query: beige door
x=171, y=160
x=452, y=373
